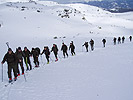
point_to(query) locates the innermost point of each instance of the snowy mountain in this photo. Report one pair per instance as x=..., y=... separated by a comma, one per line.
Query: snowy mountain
x=104, y=74
x=113, y=5
x=110, y=5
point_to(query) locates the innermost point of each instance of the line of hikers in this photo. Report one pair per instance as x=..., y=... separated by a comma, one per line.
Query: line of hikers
x=15, y=59
x=120, y=40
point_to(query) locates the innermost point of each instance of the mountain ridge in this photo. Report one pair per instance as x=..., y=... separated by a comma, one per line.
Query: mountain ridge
x=113, y=6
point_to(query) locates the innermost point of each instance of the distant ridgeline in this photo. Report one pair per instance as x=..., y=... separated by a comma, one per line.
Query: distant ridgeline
x=117, y=6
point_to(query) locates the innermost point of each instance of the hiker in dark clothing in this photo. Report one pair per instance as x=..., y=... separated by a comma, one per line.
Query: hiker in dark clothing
x=72, y=42
x=114, y=40
x=19, y=55
x=104, y=41
x=38, y=50
x=10, y=58
x=72, y=47
x=35, y=55
x=27, y=58
x=130, y=38
x=64, y=49
x=55, y=50
x=92, y=44
x=123, y=39
x=86, y=45
x=119, y=40
x=47, y=53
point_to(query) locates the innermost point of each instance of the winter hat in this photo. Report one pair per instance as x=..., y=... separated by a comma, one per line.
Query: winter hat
x=33, y=48
x=19, y=48
x=9, y=49
x=25, y=47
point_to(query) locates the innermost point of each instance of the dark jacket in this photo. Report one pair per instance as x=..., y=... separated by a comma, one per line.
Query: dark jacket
x=72, y=47
x=10, y=58
x=119, y=39
x=86, y=44
x=64, y=48
x=47, y=53
x=34, y=53
x=91, y=42
x=54, y=49
x=19, y=55
x=114, y=39
x=38, y=50
x=123, y=38
x=27, y=53
x=130, y=37
x=104, y=41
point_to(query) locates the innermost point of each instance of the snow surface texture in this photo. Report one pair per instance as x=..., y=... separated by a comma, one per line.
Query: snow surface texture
x=105, y=74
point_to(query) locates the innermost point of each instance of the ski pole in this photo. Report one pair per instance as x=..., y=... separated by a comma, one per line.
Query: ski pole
x=2, y=72
x=7, y=43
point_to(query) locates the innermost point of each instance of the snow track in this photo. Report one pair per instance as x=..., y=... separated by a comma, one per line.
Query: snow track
x=103, y=74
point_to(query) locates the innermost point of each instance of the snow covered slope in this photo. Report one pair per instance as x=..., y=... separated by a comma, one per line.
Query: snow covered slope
x=100, y=75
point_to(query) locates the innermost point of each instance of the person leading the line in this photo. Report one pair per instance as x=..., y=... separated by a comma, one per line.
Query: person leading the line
x=10, y=58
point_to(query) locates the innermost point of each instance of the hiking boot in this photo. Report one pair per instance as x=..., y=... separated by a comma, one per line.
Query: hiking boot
x=56, y=59
x=10, y=80
x=15, y=78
